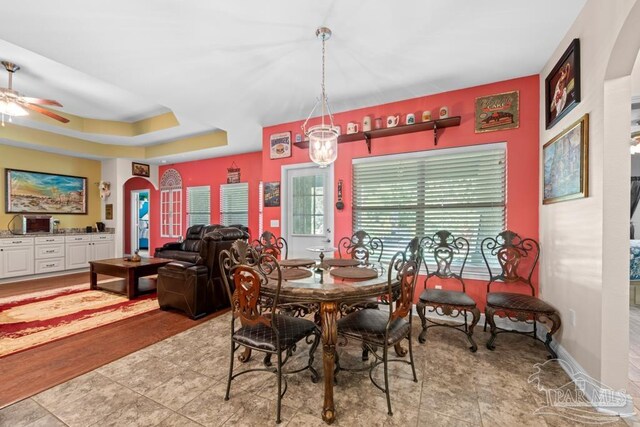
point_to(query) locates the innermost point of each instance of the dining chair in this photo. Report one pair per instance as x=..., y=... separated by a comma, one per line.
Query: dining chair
x=449, y=253
x=511, y=259
x=270, y=244
x=361, y=246
x=384, y=329
x=256, y=322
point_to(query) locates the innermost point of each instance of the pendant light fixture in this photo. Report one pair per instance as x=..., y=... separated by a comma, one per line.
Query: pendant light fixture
x=323, y=138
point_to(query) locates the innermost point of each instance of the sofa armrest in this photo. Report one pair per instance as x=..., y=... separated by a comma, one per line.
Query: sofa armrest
x=171, y=246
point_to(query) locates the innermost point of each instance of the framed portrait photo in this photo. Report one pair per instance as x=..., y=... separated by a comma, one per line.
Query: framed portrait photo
x=280, y=145
x=562, y=85
x=271, y=194
x=566, y=164
x=139, y=169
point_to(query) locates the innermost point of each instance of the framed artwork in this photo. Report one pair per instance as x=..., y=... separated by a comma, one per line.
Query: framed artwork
x=233, y=174
x=497, y=112
x=280, y=145
x=562, y=85
x=271, y=194
x=139, y=169
x=108, y=211
x=566, y=164
x=40, y=192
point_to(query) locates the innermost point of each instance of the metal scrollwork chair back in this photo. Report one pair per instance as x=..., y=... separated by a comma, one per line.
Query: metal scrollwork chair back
x=375, y=328
x=449, y=254
x=361, y=246
x=269, y=243
x=262, y=328
x=516, y=260
x=511, y=251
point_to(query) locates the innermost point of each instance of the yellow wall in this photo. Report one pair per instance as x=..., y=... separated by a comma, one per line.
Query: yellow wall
x=39, y=161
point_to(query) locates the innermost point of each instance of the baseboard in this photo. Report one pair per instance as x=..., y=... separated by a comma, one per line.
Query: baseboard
x=42, y=275
x=593, y=389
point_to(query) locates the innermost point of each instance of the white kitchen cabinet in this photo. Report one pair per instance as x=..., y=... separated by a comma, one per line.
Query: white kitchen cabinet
x=77, y=251
x=16, y=257
x=102, y=247
x=82, y=249
x=49, y=254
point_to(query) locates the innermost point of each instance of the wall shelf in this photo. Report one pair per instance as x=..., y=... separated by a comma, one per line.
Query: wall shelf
x=434, y=125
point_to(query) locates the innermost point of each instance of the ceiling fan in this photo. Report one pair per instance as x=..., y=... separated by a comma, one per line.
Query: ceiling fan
x=12, y=103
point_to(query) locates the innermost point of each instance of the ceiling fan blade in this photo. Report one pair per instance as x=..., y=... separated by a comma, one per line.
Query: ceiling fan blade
x=40, y=101
x=46, y=112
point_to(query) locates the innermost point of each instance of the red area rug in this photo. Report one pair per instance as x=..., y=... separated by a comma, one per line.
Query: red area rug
x=30, y=320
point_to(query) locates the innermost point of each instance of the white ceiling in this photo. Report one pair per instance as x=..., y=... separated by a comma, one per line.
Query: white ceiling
x=242, y=65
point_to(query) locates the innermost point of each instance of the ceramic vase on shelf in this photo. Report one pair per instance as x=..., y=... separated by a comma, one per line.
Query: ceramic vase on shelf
x=392, y=121
x=426, y=116
x=378, y=123
x=444, y=112
x=352, y=128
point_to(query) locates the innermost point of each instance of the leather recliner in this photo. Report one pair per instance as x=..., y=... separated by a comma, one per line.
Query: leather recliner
x=196, y=287
x=189, y=249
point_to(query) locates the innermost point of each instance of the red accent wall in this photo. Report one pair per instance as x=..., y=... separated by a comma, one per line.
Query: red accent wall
x=522, y=153
x=213, y=172
x=154, y=211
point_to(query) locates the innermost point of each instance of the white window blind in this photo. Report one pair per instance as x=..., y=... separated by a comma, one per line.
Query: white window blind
x=198, y=205
x=461, y=190
x=234, y=204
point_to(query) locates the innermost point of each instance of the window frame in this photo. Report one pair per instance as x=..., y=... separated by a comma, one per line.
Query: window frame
x=470, y=272
x=222, y=212
x=188, y=212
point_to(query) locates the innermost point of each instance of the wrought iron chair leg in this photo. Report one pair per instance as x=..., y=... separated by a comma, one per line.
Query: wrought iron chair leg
x=386, y=378
x=226, y=396
x=413, y=366
x=421, y=309
x=279, y=368
x=267, y=359
x=466, y=328
x=314, y=374
x=555, y=325
x=484, y=329
x=365, y=353
x=474, y=321
x=489, y=312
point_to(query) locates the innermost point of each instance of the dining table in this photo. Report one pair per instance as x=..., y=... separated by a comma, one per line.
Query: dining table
x=327, y=293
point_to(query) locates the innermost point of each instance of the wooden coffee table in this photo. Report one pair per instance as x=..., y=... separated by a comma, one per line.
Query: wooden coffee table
x=128, y=270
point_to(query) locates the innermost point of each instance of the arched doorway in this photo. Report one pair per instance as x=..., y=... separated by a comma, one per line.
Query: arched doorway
x=616, y=203
x=139, y=213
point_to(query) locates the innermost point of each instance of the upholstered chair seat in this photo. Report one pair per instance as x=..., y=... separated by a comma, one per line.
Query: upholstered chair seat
x=441, y=296
x=518, y=302
x=289, y=329
x=371, y=326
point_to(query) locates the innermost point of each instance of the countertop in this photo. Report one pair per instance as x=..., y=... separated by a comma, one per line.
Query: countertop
x=78, y=233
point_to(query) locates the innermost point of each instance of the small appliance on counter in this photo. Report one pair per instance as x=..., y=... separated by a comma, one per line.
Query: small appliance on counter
x=100, y=226
x=88, y=229
x=56, y=225
x=27, y=224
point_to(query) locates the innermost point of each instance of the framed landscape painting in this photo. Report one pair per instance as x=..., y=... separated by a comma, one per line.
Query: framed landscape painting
x=566, y=164
x=40, y=192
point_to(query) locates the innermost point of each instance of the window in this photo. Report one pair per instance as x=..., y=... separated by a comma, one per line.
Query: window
x=461, y=190
x=308, y=205
x=171, y=204
x=198, y=205
x=171, y=213
x=234, y=204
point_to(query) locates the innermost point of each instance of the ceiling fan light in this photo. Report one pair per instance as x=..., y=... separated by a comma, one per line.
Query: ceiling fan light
x=12, y=109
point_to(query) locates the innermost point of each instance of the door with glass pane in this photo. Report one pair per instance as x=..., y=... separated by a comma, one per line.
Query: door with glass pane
x=308, y=213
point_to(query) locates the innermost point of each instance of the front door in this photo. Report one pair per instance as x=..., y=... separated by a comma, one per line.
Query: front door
x=307, y=217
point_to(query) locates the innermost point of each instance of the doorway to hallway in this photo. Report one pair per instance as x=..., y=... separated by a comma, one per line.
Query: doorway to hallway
x=140, y=215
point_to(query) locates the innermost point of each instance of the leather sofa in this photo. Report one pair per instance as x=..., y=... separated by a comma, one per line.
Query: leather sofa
x=190, y=248
x=196, y=286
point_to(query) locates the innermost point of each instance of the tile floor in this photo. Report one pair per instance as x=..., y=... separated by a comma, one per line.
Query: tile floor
x=181, y=382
